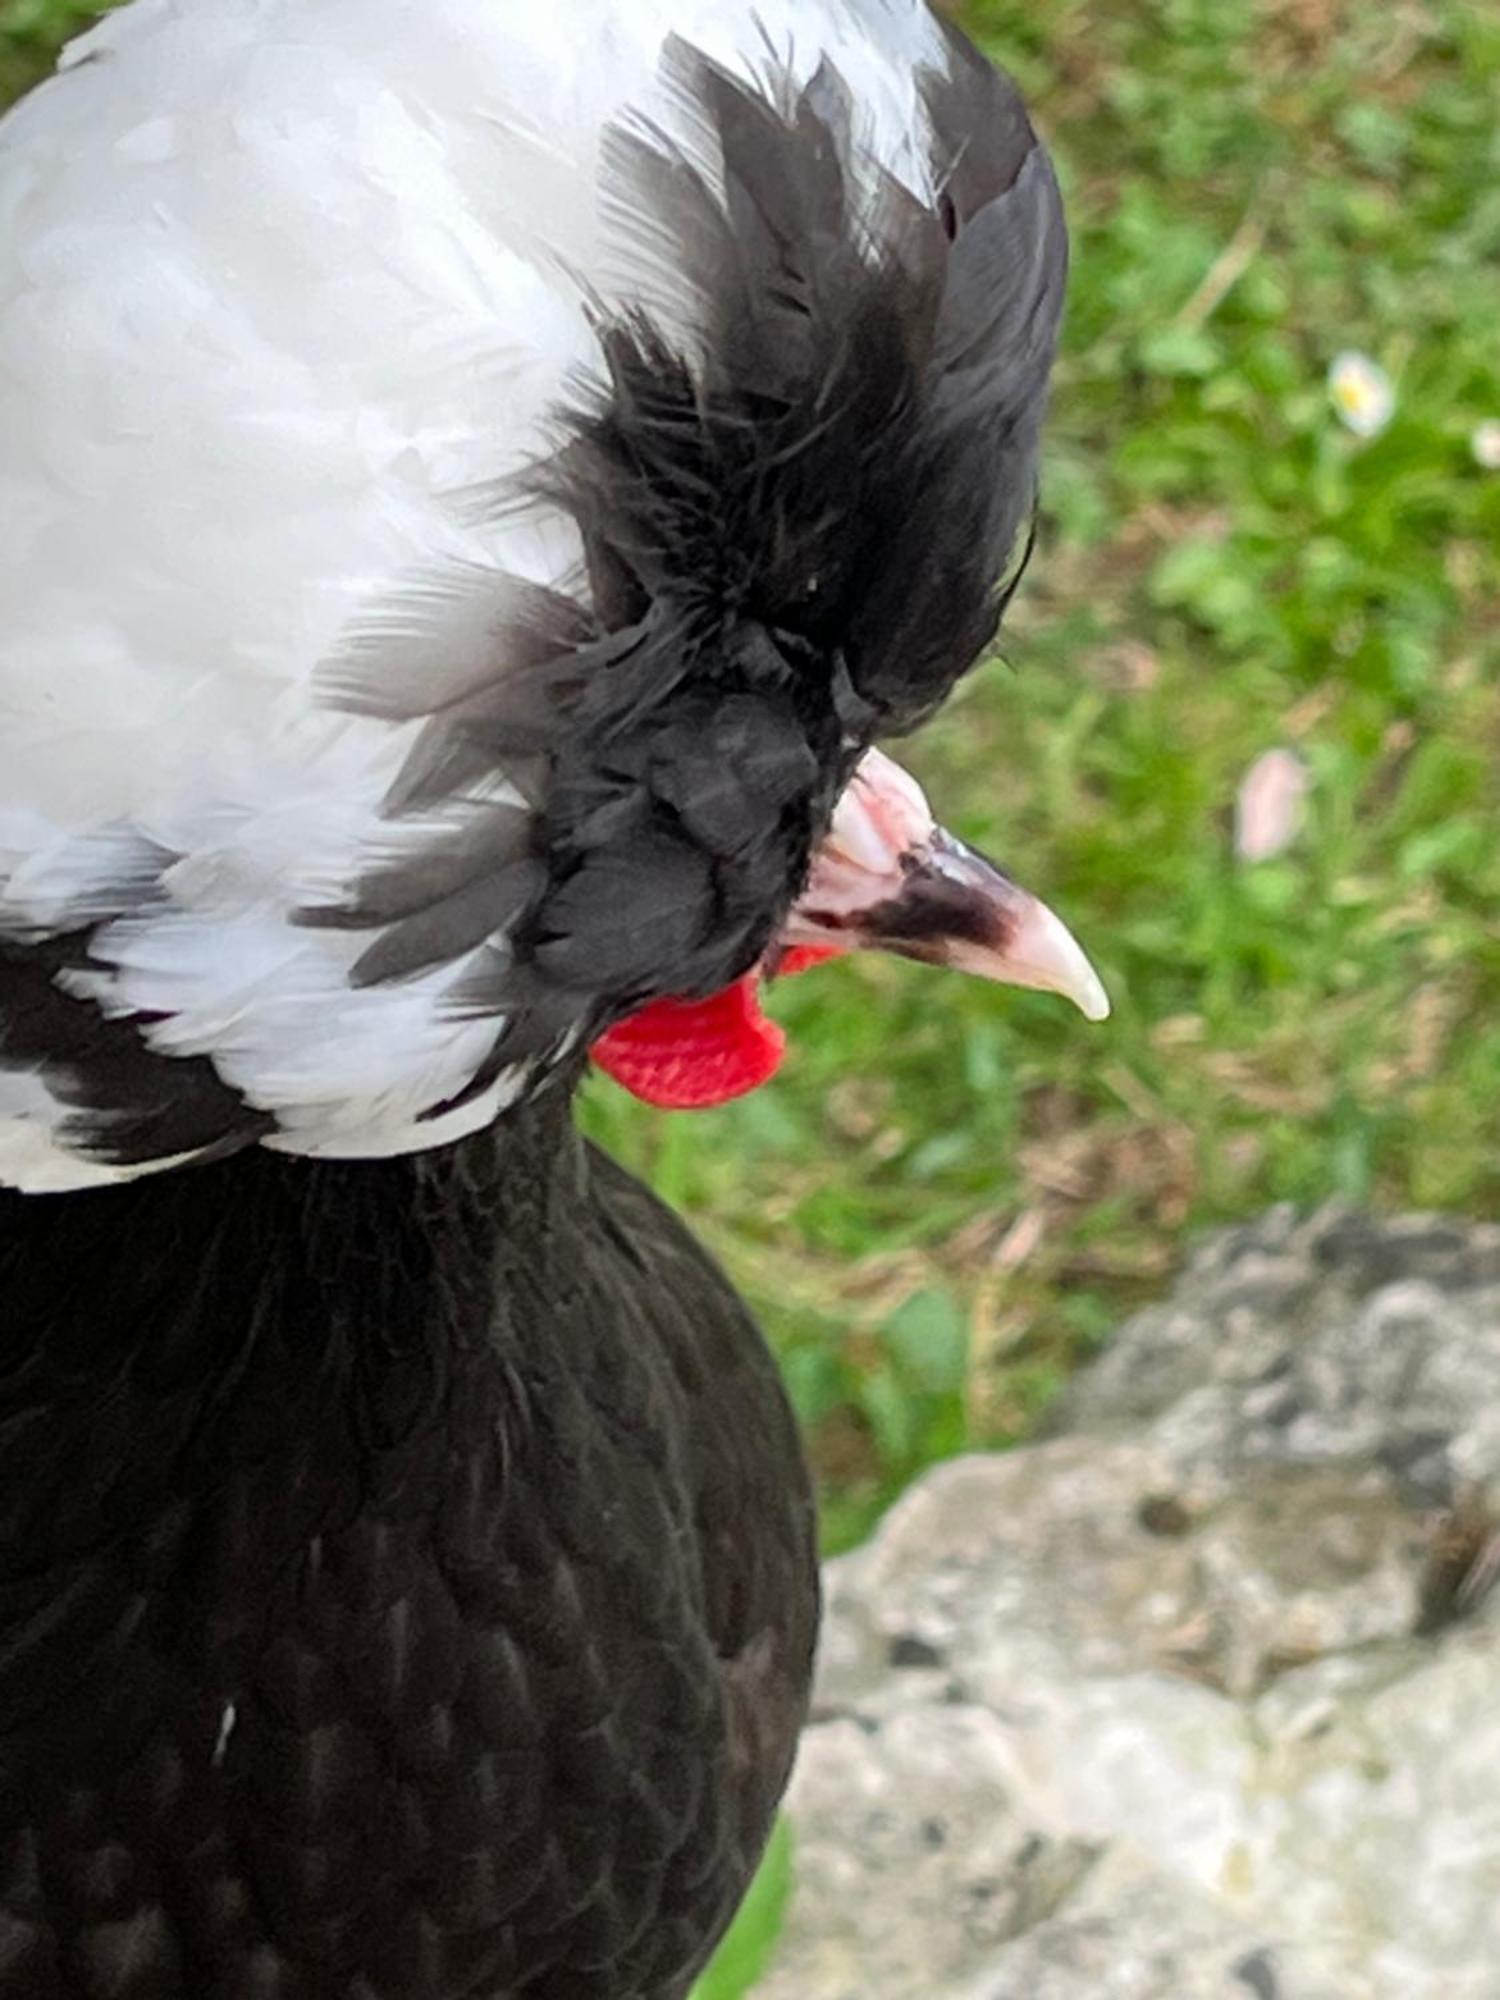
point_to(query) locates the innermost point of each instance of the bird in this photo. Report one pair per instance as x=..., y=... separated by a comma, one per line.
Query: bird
x=479, y=485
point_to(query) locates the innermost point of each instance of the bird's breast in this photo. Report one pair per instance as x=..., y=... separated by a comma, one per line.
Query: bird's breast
x=455, y=1639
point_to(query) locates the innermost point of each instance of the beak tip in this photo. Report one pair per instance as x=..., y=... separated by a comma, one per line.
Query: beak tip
x=1056, y=961
x=1091, y=999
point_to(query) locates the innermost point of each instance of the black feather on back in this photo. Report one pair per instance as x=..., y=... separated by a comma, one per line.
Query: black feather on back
x=126, y=1102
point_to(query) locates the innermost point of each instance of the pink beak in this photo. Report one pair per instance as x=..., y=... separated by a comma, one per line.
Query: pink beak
x=888, y=878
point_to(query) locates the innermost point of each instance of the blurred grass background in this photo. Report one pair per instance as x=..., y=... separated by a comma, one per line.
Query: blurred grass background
x=953, y=1192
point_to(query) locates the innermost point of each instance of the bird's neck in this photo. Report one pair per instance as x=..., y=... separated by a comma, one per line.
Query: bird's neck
x=349, y=1280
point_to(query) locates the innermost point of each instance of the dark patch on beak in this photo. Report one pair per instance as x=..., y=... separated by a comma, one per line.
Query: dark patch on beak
x=949, y=897
x=887, y=878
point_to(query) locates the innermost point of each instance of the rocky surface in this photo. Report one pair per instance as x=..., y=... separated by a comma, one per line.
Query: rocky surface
x=1199, y=1698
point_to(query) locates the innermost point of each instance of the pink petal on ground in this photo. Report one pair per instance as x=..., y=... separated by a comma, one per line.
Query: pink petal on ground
x=1268, y=809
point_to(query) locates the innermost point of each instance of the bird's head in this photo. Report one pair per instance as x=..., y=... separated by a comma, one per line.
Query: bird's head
x=885, y=877
x=802, y=482
x=602, y=757
x=800, y=525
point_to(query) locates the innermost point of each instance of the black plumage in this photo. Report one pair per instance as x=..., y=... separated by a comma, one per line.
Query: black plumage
x=408, y=1587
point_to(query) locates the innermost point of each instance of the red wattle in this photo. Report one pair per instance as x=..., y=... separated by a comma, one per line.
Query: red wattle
x=686, y=1055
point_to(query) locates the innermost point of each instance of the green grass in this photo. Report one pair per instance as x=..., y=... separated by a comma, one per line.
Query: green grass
x=952, y=1193
x=746, y=1949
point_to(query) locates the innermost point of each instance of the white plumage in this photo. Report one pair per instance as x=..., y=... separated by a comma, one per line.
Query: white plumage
x=288, y=290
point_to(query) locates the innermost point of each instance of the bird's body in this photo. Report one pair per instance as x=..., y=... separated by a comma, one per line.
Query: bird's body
x=430, y=1592
x=473, y=483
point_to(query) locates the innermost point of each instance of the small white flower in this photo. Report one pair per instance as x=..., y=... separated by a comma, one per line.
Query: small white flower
x=1361, y=392
x=1269, y=808
x=1485, y=444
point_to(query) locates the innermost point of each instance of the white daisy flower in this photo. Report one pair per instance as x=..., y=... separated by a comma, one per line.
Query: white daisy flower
x=1485, y=444
x=1361, y=392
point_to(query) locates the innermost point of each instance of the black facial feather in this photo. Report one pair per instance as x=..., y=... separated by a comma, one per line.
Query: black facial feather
x=465, y=917
x=803, y=483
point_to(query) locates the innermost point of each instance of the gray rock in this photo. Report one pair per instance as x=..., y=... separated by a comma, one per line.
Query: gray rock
x=1198, y=1696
